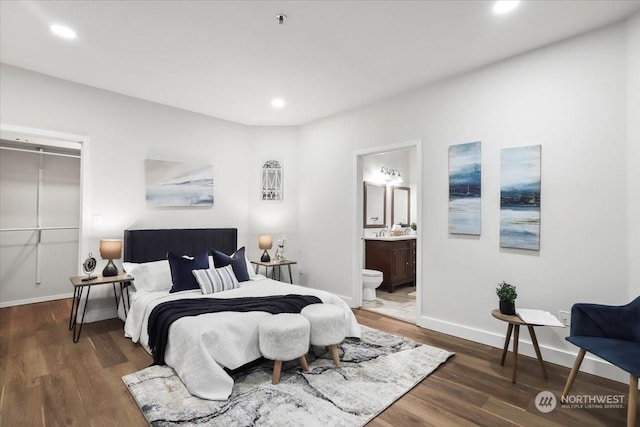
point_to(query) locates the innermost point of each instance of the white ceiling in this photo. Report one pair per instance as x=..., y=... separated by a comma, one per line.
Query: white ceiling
x=228, y=59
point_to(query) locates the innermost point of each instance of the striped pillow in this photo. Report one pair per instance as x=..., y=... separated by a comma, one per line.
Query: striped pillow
x=216, y=279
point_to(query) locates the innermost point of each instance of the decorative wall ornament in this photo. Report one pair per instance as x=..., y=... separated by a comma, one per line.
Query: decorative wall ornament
x=520, y=197
x=271, y=181
x=465, y=188
x=172, y=184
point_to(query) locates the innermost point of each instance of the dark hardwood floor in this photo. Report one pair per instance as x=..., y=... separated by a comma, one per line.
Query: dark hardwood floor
x=49, y=381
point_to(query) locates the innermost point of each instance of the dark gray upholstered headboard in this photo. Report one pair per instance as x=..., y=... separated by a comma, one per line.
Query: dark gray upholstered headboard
x=153, y=245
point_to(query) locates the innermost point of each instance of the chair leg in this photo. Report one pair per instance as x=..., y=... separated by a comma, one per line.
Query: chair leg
x=334, y=354
x=277, y=367
x=574, y=372
x=633, y=401
x=303, y=362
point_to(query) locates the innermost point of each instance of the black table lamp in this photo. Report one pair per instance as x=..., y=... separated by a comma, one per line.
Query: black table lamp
x=265, y=242
x=110, y=249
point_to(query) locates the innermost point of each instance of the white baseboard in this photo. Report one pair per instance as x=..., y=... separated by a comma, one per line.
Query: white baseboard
x=4, y=304
x=590, y=364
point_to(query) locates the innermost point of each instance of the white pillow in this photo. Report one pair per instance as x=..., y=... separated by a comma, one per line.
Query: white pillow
x=250, y=269
x=216, y=279
x=150, y=276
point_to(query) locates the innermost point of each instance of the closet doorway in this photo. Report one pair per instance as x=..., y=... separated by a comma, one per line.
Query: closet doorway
x=40, y=206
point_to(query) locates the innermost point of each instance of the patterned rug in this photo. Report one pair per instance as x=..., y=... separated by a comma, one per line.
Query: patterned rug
x=375, y=371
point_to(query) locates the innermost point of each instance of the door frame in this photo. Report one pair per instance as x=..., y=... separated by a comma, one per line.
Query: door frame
x=358, y=218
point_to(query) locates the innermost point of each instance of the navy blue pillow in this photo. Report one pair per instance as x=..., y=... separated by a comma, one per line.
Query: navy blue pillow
x=237, y=261
x=181, y=267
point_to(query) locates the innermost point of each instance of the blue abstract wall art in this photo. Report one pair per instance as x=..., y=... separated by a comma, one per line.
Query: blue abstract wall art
x=175, y=184
x=520, y=197
x=464, y=188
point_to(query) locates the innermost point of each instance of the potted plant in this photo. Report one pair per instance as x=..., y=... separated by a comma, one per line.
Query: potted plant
x=507, y=295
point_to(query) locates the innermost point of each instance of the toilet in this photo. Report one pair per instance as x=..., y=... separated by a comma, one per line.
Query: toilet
x=371, y=279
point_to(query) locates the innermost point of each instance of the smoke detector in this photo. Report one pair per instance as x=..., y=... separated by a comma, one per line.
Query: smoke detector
x=281, y=18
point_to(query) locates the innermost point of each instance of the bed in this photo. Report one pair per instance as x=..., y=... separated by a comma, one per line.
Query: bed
x=202, y=348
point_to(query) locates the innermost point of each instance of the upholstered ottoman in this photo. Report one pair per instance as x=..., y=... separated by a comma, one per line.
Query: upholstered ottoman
x=327, y=326
x=284, y=337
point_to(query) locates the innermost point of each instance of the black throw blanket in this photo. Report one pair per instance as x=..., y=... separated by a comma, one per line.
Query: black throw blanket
x=164, y=314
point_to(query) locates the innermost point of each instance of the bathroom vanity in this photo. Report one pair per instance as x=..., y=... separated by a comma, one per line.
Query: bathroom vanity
x=395, y=257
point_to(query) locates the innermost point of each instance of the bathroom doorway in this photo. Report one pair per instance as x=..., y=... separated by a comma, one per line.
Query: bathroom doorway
x=388, y=234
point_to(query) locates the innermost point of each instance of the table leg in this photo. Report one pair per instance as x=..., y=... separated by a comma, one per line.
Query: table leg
x=115, y=295
x=506, y=343
x=516, y=337
x=73, y=305
x=290, y=276
x=84, y=310
x=125, y=299
x=534, y=340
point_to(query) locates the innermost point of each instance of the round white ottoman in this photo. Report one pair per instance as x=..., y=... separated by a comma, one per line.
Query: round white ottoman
x=284, y=337
x=327, y=326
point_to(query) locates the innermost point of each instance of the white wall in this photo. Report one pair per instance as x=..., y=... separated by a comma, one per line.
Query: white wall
x=277, y=218
x=122, y=133
x=633, y=154
x=570, y=98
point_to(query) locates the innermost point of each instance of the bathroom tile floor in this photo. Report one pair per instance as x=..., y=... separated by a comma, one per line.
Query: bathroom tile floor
x=401, y=304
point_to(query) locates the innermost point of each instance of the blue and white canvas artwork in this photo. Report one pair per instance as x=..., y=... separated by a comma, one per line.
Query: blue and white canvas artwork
x=464, y=188
x=520, y=197
x=171, y=184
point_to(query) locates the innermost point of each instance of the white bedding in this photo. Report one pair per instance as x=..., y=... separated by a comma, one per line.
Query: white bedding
x=201, y=346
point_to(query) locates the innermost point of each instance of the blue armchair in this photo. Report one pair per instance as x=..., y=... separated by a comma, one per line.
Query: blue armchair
x=613, y=334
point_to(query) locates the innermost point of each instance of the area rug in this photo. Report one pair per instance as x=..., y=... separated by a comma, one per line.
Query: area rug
x=374, y=372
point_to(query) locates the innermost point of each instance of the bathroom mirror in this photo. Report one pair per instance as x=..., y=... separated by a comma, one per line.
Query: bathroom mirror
x=400, y=206
x=375, y=205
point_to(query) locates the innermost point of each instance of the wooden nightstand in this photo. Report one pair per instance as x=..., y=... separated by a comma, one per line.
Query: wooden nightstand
x=273, y=265
x=78, y=287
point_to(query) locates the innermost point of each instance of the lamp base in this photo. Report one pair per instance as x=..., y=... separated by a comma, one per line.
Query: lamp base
x=265, y=257
x=110, y=269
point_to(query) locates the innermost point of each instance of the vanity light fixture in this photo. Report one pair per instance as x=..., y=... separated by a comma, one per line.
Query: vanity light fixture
x=62, y=31
x=502, y=7
x=391, y=175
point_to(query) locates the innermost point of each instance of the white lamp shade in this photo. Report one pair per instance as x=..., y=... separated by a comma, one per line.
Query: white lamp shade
x=265, y=241
x=111, y=248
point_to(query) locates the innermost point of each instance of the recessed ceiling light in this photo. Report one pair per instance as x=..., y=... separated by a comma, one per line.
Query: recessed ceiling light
x=278, y=103
x=504, y=6
x=62, y=31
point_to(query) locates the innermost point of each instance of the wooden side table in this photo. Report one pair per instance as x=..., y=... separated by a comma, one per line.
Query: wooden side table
x=78, y=287
x=273, y=264
x=514, y=326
